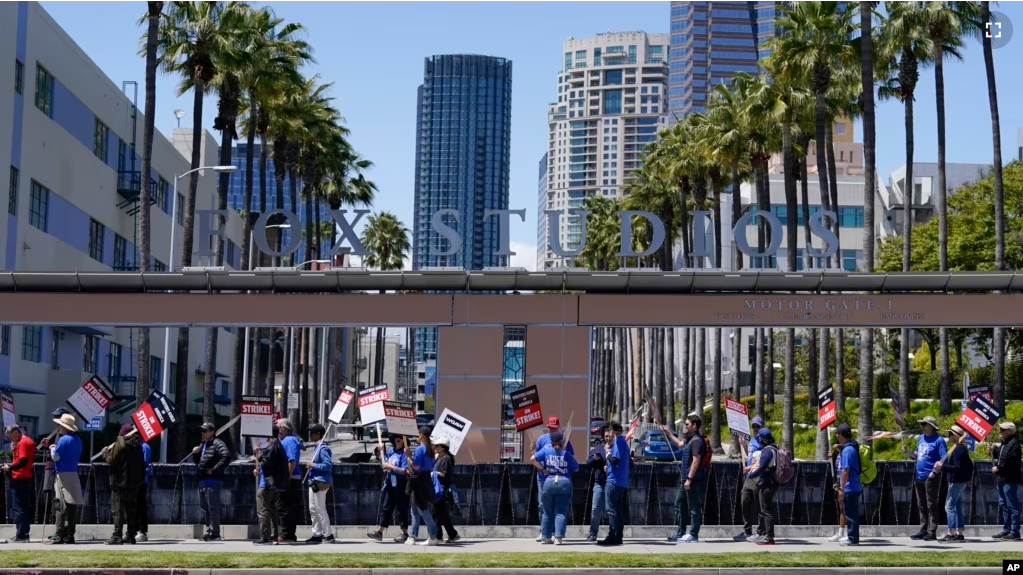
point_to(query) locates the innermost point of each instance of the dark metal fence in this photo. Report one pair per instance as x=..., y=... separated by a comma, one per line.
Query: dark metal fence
x=506, y=494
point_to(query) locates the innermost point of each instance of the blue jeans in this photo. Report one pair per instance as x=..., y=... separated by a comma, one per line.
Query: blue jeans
x=556, y=497
x=424, y=515
x=954, y=506
x=614, y=496
x=1008, y=506
x=851, y=509
x=22, y=497
x=539, y=495
x=689, y=507
x=597, y=509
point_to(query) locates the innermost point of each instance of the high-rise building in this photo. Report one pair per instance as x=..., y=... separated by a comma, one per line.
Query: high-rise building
x=611, y=92
x=710, y=42
x=541, y=205
x=236, y=194
x=463, y=152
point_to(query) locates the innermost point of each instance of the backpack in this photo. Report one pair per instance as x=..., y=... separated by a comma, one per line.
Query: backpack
x=705, y=459
x=784, y=471
x=274, y=465
x=868, y=469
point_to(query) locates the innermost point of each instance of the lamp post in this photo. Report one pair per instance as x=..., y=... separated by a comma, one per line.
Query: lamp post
x=165, y=379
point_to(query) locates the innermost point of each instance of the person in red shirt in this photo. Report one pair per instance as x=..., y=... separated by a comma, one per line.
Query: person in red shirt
x=22, y=484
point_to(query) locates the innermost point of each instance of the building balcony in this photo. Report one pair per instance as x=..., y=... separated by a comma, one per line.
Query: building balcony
x=123, y=386
x=129, y=184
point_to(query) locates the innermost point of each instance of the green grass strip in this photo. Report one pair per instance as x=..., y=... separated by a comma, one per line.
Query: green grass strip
x=851, y=558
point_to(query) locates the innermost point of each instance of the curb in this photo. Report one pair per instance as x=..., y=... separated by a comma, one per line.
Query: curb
x=513, y=571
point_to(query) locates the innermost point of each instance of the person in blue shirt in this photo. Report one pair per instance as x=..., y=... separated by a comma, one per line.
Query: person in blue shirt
x=553, y=425
x=392, y=491
x=291, y=498
x=142, y=510
x=750, y=503
x=597, y=462
x=849, y=481
x=556, y=463
x=66, y=453
x=619, y=460
x=420, y=464
x=930, y=449
x=763, y=474
x=319, y=479
x=693, y=484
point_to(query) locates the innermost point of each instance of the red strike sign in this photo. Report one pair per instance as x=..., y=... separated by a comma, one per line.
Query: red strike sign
x=526, y=408
x=257, y=409
x=373, y=398
x=146, y=422
x=979, y=417
x=826, y=413
x=404, y=413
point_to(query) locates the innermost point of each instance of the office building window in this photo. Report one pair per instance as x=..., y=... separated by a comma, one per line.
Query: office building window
x=155, y=372
x=161, y=194
x=114, y=372
x=44, y=91
x=96, y=233
x=100, y=132
x=5, y=340
x=612, y=77
x=849, y=260
x=122, y=155
x=172, y=381
x=39, y=206
x=29, y=424
x=120, y=253
x=613, y=102
x=55, y=348
x=850, y=217
x=12, y=192
x=31, y=343
x=19, y=77
x=90, y=354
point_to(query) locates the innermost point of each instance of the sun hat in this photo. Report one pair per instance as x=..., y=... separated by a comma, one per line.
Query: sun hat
x=67, y=421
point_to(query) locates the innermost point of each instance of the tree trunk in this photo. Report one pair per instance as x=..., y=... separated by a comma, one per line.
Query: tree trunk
x=998, y=337
x=840, y=369
x=736, y=212
x=823, y=380
x=759, y=381
x=670, y=377
x=699, y=370
x=143, y=384
x=715, y=436
x=658, y=348
x=866, y=406
x=293, y=196
x=833, y=184
x=790, y=389
x=769, y=366
x=687, y=381
x=176, y=441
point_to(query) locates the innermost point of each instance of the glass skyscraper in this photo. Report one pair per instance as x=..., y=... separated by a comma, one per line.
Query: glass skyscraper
x=710, y=42
x=463, y=150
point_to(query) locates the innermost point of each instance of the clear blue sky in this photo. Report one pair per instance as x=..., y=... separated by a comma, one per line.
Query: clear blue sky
x=373, y=52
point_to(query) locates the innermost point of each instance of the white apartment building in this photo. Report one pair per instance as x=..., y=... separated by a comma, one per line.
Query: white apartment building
x=890, y=198
x=612, y=91
x=366, y=357
x=67, y=132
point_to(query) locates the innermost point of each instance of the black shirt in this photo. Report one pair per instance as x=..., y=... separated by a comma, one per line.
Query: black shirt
x=446, y=465
x=597, y=461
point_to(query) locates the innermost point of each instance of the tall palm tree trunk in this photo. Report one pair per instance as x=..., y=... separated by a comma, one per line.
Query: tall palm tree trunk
x=700, y=371
x=823, y=377
x=833, y=203
x=176, y=444
x=715, y=366
x=670, y=376
x=759, y=383
x=998, y=342
x=142, y=381
x=866, y=405
x=945, y=377
x=792, y=241
x=907, y=81
x=809, y=263
x=687, y=381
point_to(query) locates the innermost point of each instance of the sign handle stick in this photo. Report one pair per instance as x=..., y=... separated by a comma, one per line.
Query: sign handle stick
x=227, y=425
x=98, y=455
x=380, y=443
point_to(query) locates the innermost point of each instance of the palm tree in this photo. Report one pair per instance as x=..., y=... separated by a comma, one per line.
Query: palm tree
x=386, y=239
x=866, y=405
x=192, y=38
x=998, y=340
x=152, y=19
x=947, y=22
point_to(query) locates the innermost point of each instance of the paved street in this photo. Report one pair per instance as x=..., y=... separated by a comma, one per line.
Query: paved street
x=495, y=545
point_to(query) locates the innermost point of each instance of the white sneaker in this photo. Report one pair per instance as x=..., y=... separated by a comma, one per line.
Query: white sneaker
x=410, y=541
x=557, y=541
x=539, y=538
x=687, y=538
x=428, y=542
x=837, y=536
x=141, y=538
x=546, y=541
x=843, y=540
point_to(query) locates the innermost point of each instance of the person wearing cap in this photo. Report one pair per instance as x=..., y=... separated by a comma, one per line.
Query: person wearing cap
x=930, y=449
x=66, y=453
x=291, y=498
x=23, y=486
x=849, y=482
x=211, y=457
x=127, y=472
x=553, y=425
x=597, y=464
x=767, y=485
x=557, y=464
x=750, y=503
x=420, y=465
x=319, y=479
x=619, y=462
x=958, y=469
x=273, y=479
x=1007, y=473
x=393, y=498
x=443, y=483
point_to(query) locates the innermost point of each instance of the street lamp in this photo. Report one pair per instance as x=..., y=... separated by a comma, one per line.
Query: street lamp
x=165, y=381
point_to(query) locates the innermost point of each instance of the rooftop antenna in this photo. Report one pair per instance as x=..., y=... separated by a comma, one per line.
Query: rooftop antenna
x=179, y=114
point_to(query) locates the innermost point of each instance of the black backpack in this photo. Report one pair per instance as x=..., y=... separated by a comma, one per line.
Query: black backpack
x=273, y=462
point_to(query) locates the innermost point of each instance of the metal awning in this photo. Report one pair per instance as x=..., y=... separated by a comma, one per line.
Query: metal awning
x=626, y=281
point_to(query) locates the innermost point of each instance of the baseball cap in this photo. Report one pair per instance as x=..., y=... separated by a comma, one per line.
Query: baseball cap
x=442, y=441
x=553, y=421
x=207, y=427
x=844, y=430
x=59, y=412
x=765, y=433
x=557, y=436
x=317, y=428
x=1007, y=425
x=126, y=429
x=758, y=421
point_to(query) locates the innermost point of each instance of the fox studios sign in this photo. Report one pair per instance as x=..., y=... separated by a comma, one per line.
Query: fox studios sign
x=444, y=223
